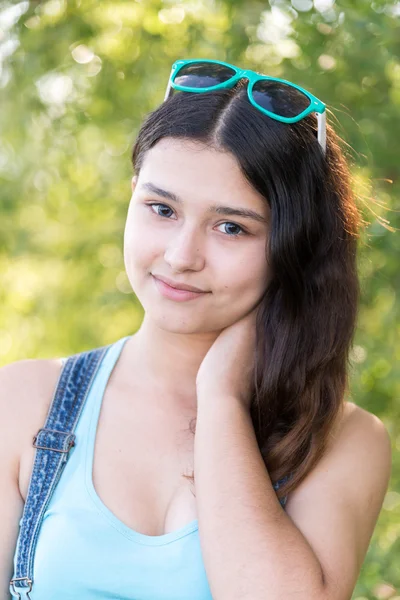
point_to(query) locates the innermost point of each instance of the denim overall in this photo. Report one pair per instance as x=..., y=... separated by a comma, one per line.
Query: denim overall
x=53, y=444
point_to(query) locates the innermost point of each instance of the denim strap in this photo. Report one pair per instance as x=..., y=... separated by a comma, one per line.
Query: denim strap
x=53, y=443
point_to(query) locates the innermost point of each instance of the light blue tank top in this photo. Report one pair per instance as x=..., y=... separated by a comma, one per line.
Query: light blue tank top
x=84, y=552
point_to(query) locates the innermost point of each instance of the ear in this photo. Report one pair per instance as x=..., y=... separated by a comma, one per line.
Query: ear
x=134, y=182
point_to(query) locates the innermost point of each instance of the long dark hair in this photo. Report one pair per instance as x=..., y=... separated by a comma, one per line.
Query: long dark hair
x=307, y=318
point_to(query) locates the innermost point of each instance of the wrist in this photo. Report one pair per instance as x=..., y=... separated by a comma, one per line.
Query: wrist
x=221, y=403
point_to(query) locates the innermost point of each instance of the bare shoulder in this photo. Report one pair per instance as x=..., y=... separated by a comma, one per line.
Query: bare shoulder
x=360, y=426
x=362, y=440
x=356, y=466
x=26, y=390
x=338, y=504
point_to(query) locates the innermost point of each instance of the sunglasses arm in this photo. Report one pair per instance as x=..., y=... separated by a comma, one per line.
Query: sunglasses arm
x=322, y=129
x=169, y=90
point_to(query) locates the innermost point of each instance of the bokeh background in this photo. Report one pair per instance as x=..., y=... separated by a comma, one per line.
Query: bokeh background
x=76, y=80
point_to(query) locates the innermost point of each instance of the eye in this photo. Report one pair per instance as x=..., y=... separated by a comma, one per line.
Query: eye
x=242, y=230
x=164, y=205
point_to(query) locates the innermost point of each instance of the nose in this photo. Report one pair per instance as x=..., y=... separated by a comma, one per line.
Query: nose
x=184, y=251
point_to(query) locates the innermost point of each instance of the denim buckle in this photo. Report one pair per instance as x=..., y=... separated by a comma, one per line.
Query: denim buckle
x=29, y=582
x=71, y=442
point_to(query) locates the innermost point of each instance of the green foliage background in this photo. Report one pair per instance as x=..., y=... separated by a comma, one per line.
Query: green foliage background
x=76, y=80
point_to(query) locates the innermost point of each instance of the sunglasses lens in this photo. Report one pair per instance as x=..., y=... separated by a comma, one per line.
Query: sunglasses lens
x=280, y=98
x=203, y=74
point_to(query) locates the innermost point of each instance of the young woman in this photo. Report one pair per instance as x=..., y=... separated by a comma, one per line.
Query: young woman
x=240, y=244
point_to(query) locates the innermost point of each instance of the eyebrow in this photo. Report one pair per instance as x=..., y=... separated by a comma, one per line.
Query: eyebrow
x=247, y=213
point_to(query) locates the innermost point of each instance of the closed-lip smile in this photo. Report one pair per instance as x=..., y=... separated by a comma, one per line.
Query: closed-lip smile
x=179, y=286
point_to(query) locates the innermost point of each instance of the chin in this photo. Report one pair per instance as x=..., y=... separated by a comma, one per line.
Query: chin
x=176, y=321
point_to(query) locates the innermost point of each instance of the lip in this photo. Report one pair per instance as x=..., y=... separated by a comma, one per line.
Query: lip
x=174, y=294
x=179, y=286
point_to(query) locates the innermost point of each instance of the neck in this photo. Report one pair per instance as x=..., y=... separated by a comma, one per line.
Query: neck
x=166, y=362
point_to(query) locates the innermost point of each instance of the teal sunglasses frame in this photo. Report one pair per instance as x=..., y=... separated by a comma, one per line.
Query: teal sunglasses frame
x=316, y=105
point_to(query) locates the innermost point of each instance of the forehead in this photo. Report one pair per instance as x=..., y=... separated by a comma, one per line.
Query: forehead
x=193, y=170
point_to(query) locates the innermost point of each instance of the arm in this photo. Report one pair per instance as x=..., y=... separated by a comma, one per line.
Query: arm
x=26, y=389
x=11, y=502
x=252, y=548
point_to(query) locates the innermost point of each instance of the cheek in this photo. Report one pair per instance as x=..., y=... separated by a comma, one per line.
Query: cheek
x=138, y=241
x=137, y=251
x=241, y=285
x=244, y=280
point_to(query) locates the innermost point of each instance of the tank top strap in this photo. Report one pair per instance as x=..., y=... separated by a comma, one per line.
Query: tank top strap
x=53, y=443
x=279, y=484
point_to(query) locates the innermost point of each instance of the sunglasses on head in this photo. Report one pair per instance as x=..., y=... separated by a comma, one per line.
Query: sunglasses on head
x=277, y=98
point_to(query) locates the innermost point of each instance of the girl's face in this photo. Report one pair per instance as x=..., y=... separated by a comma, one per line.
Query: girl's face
x=192, y=240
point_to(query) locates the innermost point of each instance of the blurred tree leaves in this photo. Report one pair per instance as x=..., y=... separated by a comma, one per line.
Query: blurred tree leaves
x=76, y=80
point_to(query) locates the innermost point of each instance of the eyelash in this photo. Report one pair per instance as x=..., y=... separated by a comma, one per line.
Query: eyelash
x=234, y=235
